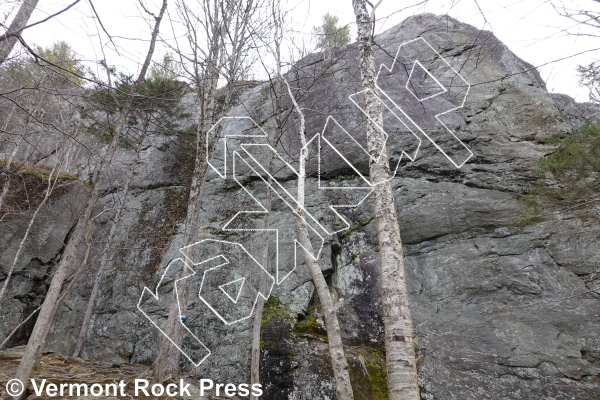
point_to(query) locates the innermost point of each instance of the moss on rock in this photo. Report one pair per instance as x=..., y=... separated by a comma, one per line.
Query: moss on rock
x=368, y=374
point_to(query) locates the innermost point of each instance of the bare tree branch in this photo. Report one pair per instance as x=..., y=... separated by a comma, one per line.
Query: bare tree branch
x=14, y=33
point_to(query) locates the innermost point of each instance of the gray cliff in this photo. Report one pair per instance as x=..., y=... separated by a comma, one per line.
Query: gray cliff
x=501, y=302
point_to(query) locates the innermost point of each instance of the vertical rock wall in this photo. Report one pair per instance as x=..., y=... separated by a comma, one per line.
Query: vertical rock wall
x=501, y=302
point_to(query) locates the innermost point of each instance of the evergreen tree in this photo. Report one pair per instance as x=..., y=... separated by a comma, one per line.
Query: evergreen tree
x=329, y=34
x=575, y=162
x=589, y=76
x=62, y=71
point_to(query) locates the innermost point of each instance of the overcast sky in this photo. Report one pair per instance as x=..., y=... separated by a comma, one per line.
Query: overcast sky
x=531, y=28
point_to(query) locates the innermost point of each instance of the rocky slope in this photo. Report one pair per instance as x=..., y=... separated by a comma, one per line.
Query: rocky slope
x=501, y=302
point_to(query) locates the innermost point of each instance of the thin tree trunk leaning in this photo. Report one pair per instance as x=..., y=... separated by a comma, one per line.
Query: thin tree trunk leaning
x=399, y=337
x=260, y=305
x=63, y=295
x=18, y=327
x=29, y=226
x=95, y=289
x=18, y=23
x=343, y=386
x=277, y=92
x=60, y=299
x=167, y=360
x=341, y=372
x=217, y=22
x=42, y=325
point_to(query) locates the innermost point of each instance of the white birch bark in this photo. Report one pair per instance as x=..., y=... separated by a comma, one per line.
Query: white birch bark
x=399, y=336
x=341, y=371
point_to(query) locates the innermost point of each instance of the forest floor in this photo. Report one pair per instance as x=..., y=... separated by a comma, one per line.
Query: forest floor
x=58, y=369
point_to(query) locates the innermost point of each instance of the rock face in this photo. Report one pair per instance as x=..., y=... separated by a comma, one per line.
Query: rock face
x=502, y=303
x=576, y=113
x=39, y=254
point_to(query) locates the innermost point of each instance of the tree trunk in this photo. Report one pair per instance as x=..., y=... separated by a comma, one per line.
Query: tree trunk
x=95, y=289
x=38, y=357
x=260, y=303
x=18, y=23
x=167, y=360
x=29, y=226
x=38, y=336
x=258, y=310
x=6, y=339
x=343, y=386
x=399, y=336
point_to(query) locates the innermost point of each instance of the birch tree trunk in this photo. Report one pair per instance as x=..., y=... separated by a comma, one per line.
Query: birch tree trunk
x=343, y=386
x=18, y=23
x=399, y=336
x=38, y=336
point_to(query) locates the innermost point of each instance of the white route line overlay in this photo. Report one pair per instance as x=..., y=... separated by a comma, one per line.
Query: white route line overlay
x=239, y=290
x=147, y=291
x=226, y=261
x=445, y=90
x=319, y=136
